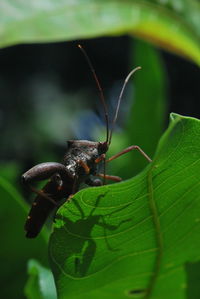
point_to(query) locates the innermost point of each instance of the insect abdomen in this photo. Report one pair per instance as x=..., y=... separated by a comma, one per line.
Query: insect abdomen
x=40, y=210
x=42, y=207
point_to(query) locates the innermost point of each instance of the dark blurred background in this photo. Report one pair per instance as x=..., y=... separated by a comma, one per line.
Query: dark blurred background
x=48, y=94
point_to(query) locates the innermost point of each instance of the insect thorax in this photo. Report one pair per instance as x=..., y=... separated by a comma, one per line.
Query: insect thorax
x=81, y=150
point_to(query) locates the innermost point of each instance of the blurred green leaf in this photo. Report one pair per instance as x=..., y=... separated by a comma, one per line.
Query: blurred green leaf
x=134, y=238
x=38, y=21
x=149, y=105
x=147, y=119
x=15, y=249
x=186, y=9
x=10, y=171
x=40, y=284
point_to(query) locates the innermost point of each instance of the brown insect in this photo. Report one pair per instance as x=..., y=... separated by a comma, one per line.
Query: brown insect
x=81, y=164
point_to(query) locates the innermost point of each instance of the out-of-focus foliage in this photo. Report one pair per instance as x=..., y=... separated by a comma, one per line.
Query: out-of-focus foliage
x=146, y=117
x=172, y=28
x=188, y=10
x=134, y=237
x=10, y=171
x=15, y=249
x=40, y=284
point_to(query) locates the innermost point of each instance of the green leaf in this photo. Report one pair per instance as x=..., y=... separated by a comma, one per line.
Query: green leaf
x=186, y=9
x=10, y=171
x=193, y=277
x=134, y=238
x=40, y=284
x=36, y=21
x=15, y=249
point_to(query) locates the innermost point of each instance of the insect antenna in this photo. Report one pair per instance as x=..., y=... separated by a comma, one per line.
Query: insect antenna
x=102, y=98
x=119, y=102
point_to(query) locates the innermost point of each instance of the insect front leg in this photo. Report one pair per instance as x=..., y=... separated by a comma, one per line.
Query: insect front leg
x=113, y=178
x=127, y=150
x=44, y=171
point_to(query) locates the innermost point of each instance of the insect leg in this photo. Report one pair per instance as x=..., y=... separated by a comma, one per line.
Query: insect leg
x=84, y=165
x=127, y=150
x=44, y=171
x=41, y=207
x=41, y=193
x=109, y=177
x=101, y=158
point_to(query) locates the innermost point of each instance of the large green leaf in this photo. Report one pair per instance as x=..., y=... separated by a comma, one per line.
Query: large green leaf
x=135, y=237
x=15, y=249
x=43, y=21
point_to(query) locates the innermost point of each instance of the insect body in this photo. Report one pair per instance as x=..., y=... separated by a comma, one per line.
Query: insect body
x=81, y=164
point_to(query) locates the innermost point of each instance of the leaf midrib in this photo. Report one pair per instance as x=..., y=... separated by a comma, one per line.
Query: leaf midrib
x=158, y=235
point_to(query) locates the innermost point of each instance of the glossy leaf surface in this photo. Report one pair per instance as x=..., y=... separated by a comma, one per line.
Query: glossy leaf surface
x=136, y=237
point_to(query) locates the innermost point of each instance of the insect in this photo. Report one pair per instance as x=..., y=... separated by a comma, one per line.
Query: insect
x=81, y=164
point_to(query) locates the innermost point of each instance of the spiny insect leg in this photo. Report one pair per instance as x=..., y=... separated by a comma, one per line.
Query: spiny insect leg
x=127, y=150
x=109, y=177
